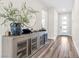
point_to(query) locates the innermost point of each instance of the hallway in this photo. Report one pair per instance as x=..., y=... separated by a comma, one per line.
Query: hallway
x=39, y=29
x=63, y=47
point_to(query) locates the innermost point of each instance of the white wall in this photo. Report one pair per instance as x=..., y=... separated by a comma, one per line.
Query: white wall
x=17, y=3
x=75, y=24
x=55, y=24
x=50, y=23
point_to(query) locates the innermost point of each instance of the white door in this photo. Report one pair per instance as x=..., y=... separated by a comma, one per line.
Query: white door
x=64, y=23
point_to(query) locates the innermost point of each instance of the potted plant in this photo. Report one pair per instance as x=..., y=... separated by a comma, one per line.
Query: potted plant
x=17, y=17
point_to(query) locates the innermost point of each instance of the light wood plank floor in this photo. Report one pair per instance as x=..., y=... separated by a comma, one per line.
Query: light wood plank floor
x=63, y=47
x=43, y=49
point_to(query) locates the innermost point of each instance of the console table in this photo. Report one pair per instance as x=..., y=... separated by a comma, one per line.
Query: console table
x=24, y=45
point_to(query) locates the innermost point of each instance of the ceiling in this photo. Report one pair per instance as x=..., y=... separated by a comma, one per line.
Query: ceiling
x=60, y=5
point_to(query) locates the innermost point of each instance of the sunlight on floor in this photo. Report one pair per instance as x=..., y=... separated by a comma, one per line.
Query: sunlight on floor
x=64, y=44
x=64, y=40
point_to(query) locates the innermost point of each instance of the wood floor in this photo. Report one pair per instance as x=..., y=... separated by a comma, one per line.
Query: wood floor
x=43, y=49
x=63, y=47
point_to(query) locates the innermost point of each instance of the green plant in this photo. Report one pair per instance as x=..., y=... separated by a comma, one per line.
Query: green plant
x=26, y=14
x=15, y=15
x=9, y=13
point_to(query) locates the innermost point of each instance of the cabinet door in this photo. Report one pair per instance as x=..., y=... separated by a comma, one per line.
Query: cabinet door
x=42, y=39
x=21, y=46
x=29, y=47
x=33, y=44
x=64, y=23
x=46, y=37
x=22, y=49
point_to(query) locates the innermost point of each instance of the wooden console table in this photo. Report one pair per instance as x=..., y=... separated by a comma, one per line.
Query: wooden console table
x=23, y=45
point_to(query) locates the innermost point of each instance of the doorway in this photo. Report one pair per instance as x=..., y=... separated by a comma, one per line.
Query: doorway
x=65, y=23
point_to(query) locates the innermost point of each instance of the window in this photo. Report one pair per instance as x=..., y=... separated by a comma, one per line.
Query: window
x=64, y=27
x=64, y=23
x=44, y=17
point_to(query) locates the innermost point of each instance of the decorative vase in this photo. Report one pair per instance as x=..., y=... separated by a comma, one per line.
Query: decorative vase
x=15, y=28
